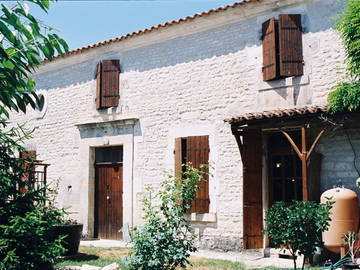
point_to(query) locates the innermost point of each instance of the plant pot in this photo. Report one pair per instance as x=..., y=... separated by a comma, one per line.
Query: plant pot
x=350, y=265
x=72, y=234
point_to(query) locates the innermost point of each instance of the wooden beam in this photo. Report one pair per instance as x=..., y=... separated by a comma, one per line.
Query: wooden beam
x=236, y=134
x=314, y=144
x=304, y=165
x=293, y=144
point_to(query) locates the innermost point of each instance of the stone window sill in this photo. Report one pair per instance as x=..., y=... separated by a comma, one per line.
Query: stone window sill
x=207, y=218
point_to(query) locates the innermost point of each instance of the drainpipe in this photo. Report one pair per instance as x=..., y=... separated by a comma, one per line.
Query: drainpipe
x=132, y=175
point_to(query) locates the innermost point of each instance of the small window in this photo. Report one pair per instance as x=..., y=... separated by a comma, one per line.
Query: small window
x=282, y=47
x=107, y=84
x=196, y=150
x=112, y=154
x=41, y=106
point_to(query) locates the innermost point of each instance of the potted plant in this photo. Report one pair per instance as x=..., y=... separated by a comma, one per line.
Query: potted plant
x=71, y=231
x=350, y=240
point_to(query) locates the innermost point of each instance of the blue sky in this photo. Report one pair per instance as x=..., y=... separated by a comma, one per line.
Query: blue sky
x=82, y=23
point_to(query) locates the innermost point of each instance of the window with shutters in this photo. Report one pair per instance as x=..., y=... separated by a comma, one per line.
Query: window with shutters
x=107, y=84
x=282, y=47
x=194, y=149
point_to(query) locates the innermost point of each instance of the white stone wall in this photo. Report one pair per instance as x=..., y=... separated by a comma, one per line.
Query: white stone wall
x=180, y=81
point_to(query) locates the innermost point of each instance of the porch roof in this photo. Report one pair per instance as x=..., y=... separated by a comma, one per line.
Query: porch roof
x=288, y=113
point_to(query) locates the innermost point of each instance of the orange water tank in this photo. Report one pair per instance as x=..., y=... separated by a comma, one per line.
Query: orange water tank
x=344, y=216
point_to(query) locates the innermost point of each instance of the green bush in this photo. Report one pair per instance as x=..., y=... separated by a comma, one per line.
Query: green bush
x=166, y=239
x=346, y=95
x=348, y=26
x=297, y=227
x=26, y=241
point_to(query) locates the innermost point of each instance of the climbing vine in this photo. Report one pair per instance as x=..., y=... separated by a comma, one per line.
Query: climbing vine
x=346, y=95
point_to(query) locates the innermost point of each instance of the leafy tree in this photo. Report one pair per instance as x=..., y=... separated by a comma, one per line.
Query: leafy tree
x=297, y=227
x=346, y=95
x=23, y=44
x=26, y=241
x=348, y=26
x=166, y=239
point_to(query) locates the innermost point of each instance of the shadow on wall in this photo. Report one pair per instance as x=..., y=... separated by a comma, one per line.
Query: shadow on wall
x=220, y=41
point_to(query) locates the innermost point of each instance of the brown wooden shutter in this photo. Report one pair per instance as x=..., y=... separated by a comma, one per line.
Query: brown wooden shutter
x=98, y=87
x=252, y=189
x=27, y=154
x=178, y=158
x=290, y=45
x=270, y=54
x=198, y=153
x=28, y=176
x=108, y=84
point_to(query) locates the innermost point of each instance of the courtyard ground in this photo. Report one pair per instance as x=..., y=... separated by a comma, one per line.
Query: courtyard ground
x=105, y=252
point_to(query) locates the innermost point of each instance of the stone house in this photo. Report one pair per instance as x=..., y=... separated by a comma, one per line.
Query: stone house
x=116, y=114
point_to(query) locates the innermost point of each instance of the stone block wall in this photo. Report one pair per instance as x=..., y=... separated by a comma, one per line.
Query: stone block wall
x=184, y=86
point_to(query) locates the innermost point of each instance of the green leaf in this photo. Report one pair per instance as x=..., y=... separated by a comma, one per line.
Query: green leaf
x=7, y=32
x=8, y=64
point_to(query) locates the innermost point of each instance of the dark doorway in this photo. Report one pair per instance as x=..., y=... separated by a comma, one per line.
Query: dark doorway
x=108, y=192
x=285, y=181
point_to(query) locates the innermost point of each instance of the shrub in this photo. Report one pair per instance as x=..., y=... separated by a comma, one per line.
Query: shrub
x=346, y=95
x=166, y=239
x=348, y=26
x=25, y=223
x=297, y=227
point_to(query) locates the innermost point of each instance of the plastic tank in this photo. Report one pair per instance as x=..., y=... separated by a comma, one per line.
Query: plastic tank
x=344, y=216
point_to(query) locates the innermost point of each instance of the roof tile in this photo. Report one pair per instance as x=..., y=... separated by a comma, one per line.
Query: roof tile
x=247, y=117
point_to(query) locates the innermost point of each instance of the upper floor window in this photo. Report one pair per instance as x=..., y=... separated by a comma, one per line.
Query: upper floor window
x=282, y=47
x=107, y=84
x=195, y=149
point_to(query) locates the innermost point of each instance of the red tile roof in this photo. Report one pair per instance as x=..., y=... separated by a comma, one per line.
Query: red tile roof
x=284, y=113
x=150, y=29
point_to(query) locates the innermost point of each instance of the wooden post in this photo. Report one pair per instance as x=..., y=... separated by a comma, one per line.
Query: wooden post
x=304, y=165
x=304, y=156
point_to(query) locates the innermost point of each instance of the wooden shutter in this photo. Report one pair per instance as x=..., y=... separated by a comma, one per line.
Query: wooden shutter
x=290, y=45
x=98, y=87
x=198, y=153
x=178, y=158
x=108, y=83
x=28, y=178
x=270, y=53
x=252, y=189
x=27, y=154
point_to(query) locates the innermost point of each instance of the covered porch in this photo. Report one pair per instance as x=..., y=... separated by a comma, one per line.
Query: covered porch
x=282, y=159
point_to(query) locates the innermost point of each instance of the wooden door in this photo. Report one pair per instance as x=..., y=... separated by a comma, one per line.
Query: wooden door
x=252, y=189
x=108, y=195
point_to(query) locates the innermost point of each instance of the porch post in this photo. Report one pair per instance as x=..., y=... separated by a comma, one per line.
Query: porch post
x=304, y=156
x=304, y=166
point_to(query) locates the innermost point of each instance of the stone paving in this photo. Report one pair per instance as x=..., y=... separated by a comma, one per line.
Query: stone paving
x=251, y=258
